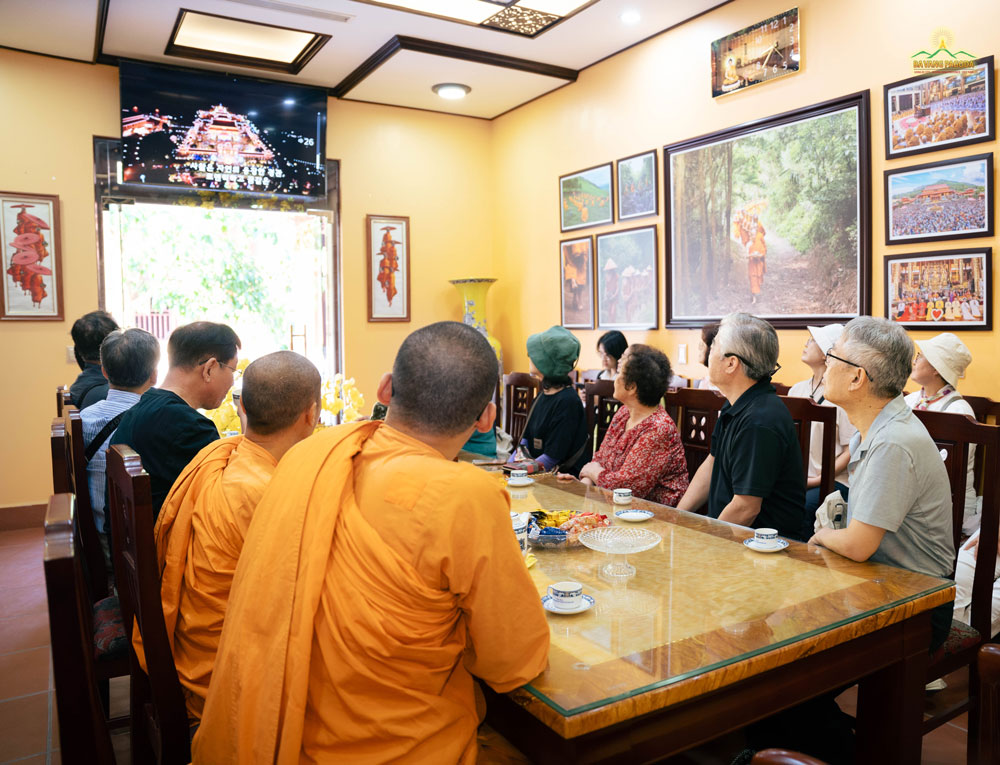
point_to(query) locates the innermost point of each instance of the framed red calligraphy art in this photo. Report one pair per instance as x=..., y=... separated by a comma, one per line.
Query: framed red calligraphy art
x=32, y=263
x=388, y=267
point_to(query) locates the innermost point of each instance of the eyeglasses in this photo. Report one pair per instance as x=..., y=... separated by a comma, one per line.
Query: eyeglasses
x=777, y=366
x=838, y=358
x=237, y=373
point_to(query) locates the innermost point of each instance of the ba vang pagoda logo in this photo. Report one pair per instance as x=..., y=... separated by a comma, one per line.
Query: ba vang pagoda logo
x=941, y=58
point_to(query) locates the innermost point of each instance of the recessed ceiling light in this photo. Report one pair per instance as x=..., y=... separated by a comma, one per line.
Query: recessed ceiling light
x=289, y=102
x=631, y=16
x=453, y=91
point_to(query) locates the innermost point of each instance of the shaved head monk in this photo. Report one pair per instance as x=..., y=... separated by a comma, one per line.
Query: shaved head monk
x=378, y=577
x=200, y=530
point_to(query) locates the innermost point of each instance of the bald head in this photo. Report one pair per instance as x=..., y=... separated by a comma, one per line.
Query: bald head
x=443, y=377
x=277, y=389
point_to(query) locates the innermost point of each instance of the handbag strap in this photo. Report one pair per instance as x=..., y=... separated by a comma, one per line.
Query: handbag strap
x=103, y=436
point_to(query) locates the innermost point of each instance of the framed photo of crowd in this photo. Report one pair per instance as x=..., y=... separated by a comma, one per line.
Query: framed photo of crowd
x=772, y=217
x=949, y=289
x=627, y=278
x=939, y=201
x=586, y=198
x=576, y=269
x=32, y=262
x=937, y=111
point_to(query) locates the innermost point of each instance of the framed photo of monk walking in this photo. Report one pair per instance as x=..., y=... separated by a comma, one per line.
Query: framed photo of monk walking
x=586, y=198
x=32, y=263
x=388, y=267
x=772, y=217
x=627, y=278
x=947, y=289
x=576, y=269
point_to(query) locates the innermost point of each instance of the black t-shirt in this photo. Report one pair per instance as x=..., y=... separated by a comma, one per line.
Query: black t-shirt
x=558, y=428
x=89, y=387
x=757, y=453
x=167, y=434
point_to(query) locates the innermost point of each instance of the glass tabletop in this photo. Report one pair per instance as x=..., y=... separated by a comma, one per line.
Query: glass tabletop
x=697, y=601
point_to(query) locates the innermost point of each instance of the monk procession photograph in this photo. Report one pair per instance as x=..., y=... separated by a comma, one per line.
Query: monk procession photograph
x=511, y=382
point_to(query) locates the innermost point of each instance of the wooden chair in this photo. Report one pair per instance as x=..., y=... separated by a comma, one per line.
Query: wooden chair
x=590, y=375
x=601, y=406
x=783, y=757
x=83, y=732
x=93, y=556
x=159, y=730
x=697, y=410
x=63, y=399
x=954, y=433
x=989, y=703
x=984, y=408
x=781, y=389
x=520, y=390
x=805, y=412
x=57, y=446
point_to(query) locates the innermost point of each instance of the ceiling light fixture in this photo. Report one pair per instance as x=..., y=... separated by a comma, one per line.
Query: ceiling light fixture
x=630, y=17
x=452, y=91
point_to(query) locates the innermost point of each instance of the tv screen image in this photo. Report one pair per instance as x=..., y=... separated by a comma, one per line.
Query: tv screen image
x=207, y=130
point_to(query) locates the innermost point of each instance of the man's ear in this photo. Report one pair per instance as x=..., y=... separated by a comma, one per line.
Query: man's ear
x=207, y=368
x=384, y=391
x=105, y=373
x=485, y=421
x=311, y=414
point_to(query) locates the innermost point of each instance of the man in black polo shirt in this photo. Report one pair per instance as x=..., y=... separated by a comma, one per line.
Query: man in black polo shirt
x=754, y=475
x=164, y=427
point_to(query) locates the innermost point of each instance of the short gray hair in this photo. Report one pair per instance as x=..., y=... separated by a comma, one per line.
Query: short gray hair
x=883, y=349
x=752, y=340
x=130, y=357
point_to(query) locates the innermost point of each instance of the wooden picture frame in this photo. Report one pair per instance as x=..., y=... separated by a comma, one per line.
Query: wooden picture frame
x=921, y=201
x=576, y=274
x=638, y=194
x=586, y=198
x=756, y=54
x=727, y=205
x=387, y=263
x=627, y=279
x=919, y=286
x=912, y=105
x=32, y=257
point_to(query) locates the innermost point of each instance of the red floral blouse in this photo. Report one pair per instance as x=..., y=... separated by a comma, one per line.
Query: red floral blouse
x=648, y=459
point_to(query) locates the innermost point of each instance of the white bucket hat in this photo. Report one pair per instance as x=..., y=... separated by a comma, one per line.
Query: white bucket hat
x=947, y=354
x=826, y=336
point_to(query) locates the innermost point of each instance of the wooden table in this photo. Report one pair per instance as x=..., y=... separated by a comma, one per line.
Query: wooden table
x=709, y=636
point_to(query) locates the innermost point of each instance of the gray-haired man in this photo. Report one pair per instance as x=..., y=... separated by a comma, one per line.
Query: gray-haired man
x=754, y=475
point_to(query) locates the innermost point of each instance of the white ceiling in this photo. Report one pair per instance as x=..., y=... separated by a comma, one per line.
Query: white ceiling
x=140, y=29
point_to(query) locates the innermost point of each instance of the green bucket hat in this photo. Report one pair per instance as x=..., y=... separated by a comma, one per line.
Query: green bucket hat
x=554, y=352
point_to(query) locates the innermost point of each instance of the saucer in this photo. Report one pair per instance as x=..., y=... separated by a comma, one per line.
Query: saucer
x=551, y=607
x=525, y=482
x=780, y=545
x=634, y=516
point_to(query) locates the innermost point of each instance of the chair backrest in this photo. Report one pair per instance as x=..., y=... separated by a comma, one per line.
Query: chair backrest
x=984, y=408
x=601, y=406
x=989, y=703
x=63, y=400
x=781, y=389
x=520, y=390
x=137, y=574
x=953, y=434
x=93, y=556
x=590, y=375
x=57, y=446
x=805, y=412
x=696, y=409
x=83, y=733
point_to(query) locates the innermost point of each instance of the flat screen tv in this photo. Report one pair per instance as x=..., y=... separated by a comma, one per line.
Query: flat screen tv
x=207, y=130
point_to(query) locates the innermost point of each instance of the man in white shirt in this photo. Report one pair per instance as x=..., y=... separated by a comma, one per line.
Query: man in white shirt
x=821, y=340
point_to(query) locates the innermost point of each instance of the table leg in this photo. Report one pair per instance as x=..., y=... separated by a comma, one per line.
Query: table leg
x=891, y=701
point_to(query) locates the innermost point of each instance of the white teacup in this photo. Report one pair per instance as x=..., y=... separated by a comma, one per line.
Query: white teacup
x=566, y=595
x=520, y=531
x=518, y=476
x=765, y=537
x=623, y=496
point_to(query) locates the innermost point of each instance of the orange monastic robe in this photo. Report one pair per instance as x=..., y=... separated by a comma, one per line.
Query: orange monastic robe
x=377, y=578
x=199, y=536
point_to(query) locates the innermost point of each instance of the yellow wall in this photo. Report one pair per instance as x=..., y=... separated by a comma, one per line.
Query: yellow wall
x=658, y=93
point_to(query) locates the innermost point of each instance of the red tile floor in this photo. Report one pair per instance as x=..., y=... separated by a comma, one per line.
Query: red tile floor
x=29, y=731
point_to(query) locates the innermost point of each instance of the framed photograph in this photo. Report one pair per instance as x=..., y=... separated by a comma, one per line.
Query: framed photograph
x=32, y=262
x=762, y=52
x=576, y=269
x=938, y=201
x=627, y=279
x=773, y=218
x=937, y=291
x=585, y=198
x=936, y=111
x=638, y=186
x=388, y=267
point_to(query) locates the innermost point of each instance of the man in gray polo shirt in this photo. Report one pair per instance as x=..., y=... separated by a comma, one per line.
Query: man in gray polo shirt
x=899, y=510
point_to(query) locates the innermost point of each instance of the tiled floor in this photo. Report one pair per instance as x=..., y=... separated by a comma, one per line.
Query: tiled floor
x=29, y=731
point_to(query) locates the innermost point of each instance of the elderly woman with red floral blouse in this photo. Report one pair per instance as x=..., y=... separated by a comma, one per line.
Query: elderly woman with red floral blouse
x=642, y=449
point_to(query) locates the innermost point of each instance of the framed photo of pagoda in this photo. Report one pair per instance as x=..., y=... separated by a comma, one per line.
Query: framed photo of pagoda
x=944, y=290
x=32, y=262
x=388, y=267
x=940, y=201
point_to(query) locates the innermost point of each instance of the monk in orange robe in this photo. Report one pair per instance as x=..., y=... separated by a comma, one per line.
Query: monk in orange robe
x=757, y=265
x=204, y=520
x=378, y=577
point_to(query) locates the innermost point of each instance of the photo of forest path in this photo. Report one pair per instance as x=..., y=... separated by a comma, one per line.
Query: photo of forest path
x=768, y=222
